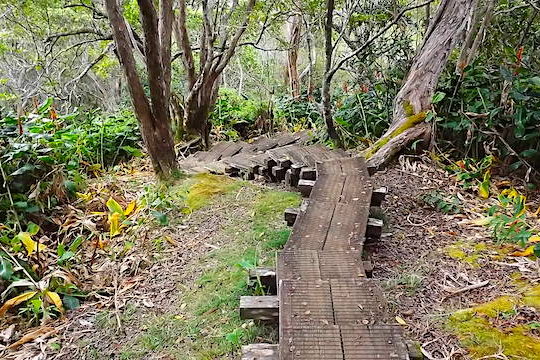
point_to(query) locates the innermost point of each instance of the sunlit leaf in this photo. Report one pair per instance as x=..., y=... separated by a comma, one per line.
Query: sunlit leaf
x=400, y=321
x=534, y=239
x=54, y=298
x=483, y=188
x=130, y=207
x=16, y=301
x=527, y=252
x=114, y=224
x=84, y=196
x=30, y=245
x=114, y=207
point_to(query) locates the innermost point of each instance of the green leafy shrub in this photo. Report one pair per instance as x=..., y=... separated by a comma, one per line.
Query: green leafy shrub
x=492, y=104
x=236, y=117
x=45, y=157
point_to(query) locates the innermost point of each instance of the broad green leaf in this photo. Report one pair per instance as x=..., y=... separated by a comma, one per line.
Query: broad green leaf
x=161, y=217
x=438, y=97
x=32, y=228
x=45, y=106
x=71, y=302
x=6, y=269
x=114, y=206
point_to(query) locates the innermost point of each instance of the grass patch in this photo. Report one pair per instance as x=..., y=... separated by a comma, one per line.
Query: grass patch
x=205, y=323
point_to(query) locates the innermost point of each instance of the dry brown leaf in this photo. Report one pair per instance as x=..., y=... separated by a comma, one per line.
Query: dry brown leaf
x=44, y=331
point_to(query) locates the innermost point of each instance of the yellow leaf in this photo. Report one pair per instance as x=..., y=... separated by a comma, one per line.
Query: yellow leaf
x=84, y=196
x=101, y=213
x=482, y=221
x=534, y=239
x=16, y=301
x=29, y=244
x=527, y=252
x=114, y=224
x=54, y=298
x=130, y=207
x=401, y=321
x=537, y=212
x=483, y=188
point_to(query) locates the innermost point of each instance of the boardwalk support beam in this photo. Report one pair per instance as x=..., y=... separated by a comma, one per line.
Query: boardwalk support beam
x=290, y=215
x=260, y=352
x=305, y=187
x=264, y=308
x=265, y=277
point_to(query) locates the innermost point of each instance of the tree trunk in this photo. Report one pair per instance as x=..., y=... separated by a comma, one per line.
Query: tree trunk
x=413, y=101
x=327, y=81
x=153, y=117
x=294, y=29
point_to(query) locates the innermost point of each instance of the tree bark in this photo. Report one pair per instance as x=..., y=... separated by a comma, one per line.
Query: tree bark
x=327, y=80
x=203, y=86
x=413, y=101
x=294, y=29
x=153, y=117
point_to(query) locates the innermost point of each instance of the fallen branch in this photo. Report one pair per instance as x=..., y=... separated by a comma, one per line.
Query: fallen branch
x=454, y=292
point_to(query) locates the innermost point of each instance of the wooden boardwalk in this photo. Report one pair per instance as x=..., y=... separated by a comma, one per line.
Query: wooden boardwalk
x=328, y=308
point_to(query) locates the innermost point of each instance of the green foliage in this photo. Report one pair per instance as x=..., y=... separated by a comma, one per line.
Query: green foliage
x=508, y=218
x=499, y=104
x=46, y=157
x=442, y=202
x=236, y=117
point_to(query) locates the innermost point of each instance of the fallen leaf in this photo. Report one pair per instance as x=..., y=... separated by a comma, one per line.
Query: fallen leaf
x=16, y=301
x=130, y=207
x=400, y=321
x=30, y=245
x=43, y=331
x=534, y=239
x=114, y=224
x=148, y=303
x=7, y=333
x=55, y=299
x=482, y=221
x=527, y=252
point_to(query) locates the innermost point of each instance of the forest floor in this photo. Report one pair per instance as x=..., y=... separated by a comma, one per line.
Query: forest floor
x=172, y=289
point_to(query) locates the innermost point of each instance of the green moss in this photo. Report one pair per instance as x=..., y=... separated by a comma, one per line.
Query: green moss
x=408, y=108
x=532, y=297
x=202, y=187
x=477, y=330
x=455, y=253
x=407, y=124
x=481, y=338
x=495, y=307
x=466, y=252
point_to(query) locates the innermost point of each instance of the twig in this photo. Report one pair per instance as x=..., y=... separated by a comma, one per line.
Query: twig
x=464, y=289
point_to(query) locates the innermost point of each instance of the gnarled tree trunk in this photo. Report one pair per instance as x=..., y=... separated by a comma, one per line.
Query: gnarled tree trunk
x=215, y=54
x=153, y=115
x=413, y=101
x=294, y=28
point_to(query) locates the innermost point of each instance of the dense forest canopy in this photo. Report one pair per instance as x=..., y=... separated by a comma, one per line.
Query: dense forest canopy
x=93, y=86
